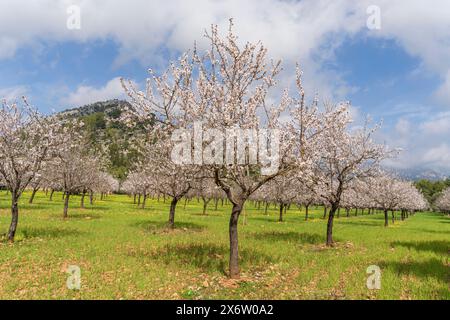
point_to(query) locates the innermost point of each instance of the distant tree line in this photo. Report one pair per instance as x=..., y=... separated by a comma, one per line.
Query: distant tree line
x=432, y=189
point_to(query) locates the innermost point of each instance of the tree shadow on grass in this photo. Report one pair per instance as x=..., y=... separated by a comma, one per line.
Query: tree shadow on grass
x=34, y=206
x=208, y=214
x=157, y=227
x=375, y=223
x=271, y=218
x=437, y=246
x=29, y=233
x=429, y=231
x=309, y=238
x=87, y=216
x=206, y=257
x=434, y=268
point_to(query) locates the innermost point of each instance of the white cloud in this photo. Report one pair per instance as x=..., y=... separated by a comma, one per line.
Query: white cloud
x=307, y=31
x=438, y=155
x=12, y=93
x=425, y=143
x=442, y=94
x=438, y=125
x=403, y=127
x=8, y=47
x=87, y=94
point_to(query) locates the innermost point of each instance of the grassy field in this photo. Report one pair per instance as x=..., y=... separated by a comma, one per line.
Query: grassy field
x=126, y=253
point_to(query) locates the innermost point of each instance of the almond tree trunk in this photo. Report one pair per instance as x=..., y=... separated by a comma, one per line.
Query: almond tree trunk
x=234, y=244
x=216, y=202
x=330, y=225
x=173, y=206
x=205, y=205
x=14, y=216
x=66, y=204
x=306, y=212
x=144, y=200
x=83, y=195
x=32, y=195
x=280, y=219
x=386, y=219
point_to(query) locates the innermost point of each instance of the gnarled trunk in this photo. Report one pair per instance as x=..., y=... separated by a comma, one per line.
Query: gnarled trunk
x=66, y=204
x=33, y=194
x=205, y=205
x=216, y=202
x=144, y=200
x=324, y=212
x=83, y=195
x=306, y=212
x=14, y=216
x=386, y=219
x=281, y=213
x=234, y=247
x=173, y=205
x=330, y=225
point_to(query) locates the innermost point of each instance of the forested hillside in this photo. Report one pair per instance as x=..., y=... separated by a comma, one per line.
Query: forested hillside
x=109, y=136
x=432, y=189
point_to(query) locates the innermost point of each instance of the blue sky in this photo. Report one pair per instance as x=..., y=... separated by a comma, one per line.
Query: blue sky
x=399, y=73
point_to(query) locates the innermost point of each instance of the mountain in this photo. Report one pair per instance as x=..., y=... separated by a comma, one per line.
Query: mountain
x=422, y=173
x=111, y=108
x=108, y=135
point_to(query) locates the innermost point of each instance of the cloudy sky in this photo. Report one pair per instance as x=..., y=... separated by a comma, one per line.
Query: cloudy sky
x=398, y=73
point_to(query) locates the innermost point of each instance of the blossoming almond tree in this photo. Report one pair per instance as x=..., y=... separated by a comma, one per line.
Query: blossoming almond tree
x=167, y=177
x=27, y=139
x=73, y=166
x=387, y=193
x=346, y=156
x=443, y=201
x=225, y=89
x=282, y=190
x=75, y=171
x=413, y=200
x=305, y=197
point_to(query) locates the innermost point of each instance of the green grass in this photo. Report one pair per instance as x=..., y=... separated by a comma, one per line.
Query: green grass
x=126, y=253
